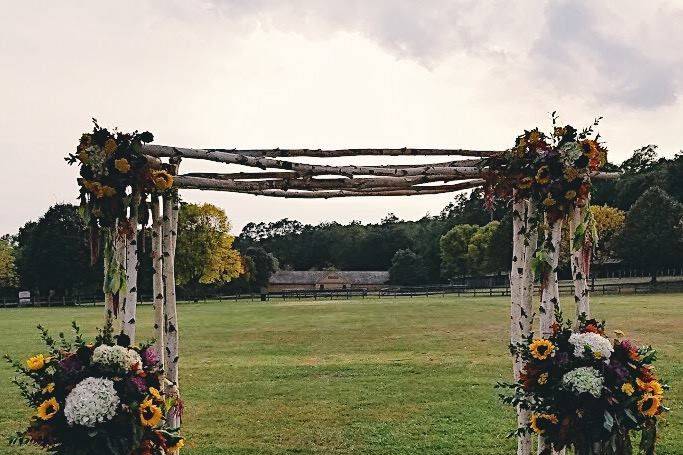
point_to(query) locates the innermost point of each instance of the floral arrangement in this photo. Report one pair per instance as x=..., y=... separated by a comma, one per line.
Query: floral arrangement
x=115, y=181
x=100, y=398
x=588, y=392
x=113, y=173
x=553, y=169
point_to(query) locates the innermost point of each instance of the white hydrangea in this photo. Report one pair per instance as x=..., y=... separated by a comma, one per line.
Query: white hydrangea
x=600, y=346
x=116, y=356
x=92, y=401
x=584, y=380
x=570, y=152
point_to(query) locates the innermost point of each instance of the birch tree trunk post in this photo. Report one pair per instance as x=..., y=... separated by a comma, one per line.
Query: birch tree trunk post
x=517, y=328
x=109, y=249
x=129, y=312
x=120, y=259
x=580, y=261
x=157, y=278
x=170, y=313
x=550, y=299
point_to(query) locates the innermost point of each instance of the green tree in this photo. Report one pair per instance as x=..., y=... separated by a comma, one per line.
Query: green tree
x=454, y=248
x=53, y=253
x=205, y=254
x=261, y=265
x=407, y=268
x=8, y=268
x=651, y=235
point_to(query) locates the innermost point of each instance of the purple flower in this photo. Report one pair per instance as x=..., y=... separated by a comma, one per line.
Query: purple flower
x=562, y=358
x=619, y=370
x=71, y=364
x=150, y=357
x=139, y=384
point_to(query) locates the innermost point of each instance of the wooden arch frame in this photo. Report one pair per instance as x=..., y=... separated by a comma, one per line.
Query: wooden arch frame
x=278, y=174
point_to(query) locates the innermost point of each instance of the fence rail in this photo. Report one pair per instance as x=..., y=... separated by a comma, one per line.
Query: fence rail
x=388, y=292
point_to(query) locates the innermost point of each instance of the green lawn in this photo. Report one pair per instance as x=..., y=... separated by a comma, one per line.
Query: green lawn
x=390, y=376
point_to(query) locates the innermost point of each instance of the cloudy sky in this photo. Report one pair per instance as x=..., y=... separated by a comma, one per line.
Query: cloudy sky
x=325, y=73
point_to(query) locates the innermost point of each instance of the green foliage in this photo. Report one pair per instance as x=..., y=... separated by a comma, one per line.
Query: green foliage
x=472, y=250
x=8, y=268
x=261, y=265
x=204, y=246
x=53, y=253
x=407, y=268
x=651, y=236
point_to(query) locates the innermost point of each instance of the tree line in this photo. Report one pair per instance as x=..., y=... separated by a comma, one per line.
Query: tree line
x=638, y=218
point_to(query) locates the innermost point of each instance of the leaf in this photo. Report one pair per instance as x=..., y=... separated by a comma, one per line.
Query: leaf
x=608, y=423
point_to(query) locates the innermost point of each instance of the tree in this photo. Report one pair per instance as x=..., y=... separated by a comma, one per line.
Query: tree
x=53, y=253
x=261, y=265
x=454, y=247
x=479, y=255
x=651, y=235
x=407, y=268
x=608, y=222
x=8, y=268
x=205, y=254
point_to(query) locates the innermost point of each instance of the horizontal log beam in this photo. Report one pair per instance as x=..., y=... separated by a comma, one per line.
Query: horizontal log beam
x=310, y=169
x=308, y=183
x=335, y=153
x=183, y=182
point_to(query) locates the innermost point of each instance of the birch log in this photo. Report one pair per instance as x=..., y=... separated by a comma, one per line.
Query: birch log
x=129, y=313
x=550, y=299
x=580, y=262
x=308, y=169
x=320, y=153
x=157, y=278
x=109, y=250
x=171, y=355
x=517, y=313
x=120, y=255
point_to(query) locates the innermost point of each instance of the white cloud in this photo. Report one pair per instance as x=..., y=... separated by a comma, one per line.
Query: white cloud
x=321, y=74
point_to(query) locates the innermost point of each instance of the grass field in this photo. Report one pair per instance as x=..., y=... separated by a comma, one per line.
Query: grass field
x=390, y=376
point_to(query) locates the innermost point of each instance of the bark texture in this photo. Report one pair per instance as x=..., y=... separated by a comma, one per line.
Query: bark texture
x=171, y=354
x=580, y=261
x=129, y=313
x=157, y=277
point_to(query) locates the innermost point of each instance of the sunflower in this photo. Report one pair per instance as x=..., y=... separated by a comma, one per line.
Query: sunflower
x=628, y=388
x=539, y=421
x=110, y=146
x=49, y=388
x=122, y=165
x=549, y=201
x=649, y=405
x=150, y=414
x=570, y=195
x=162, y=180
x=535, y=137
x=653, y=387
x=48, y=409
x=37, y=362
x=175, y=448
x=155, y=394
x=542, y=176
x=541, y=349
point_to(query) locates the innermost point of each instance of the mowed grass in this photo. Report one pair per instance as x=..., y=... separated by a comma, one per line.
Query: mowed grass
x=390, y=376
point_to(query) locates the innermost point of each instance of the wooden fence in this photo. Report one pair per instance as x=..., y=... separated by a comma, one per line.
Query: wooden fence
x=388, y=292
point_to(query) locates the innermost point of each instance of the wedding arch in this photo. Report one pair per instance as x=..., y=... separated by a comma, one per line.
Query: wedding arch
x=126, y=181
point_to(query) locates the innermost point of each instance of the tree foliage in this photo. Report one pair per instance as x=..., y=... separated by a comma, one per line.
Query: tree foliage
x=651, y=235
x=8, y=269
x=53, y=253
x=260, y=266
x=205, y=253
x=407, y=268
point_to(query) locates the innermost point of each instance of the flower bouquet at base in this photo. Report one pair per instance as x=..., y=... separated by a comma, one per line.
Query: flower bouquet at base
x=587, y=392
x=103, y=398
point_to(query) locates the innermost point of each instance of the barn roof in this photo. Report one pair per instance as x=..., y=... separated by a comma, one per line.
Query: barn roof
x=313, y=277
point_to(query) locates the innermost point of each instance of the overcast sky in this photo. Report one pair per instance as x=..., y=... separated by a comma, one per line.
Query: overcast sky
x=317, y=73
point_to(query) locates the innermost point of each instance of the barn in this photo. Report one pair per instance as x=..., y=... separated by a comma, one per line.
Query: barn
x=286, y=280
